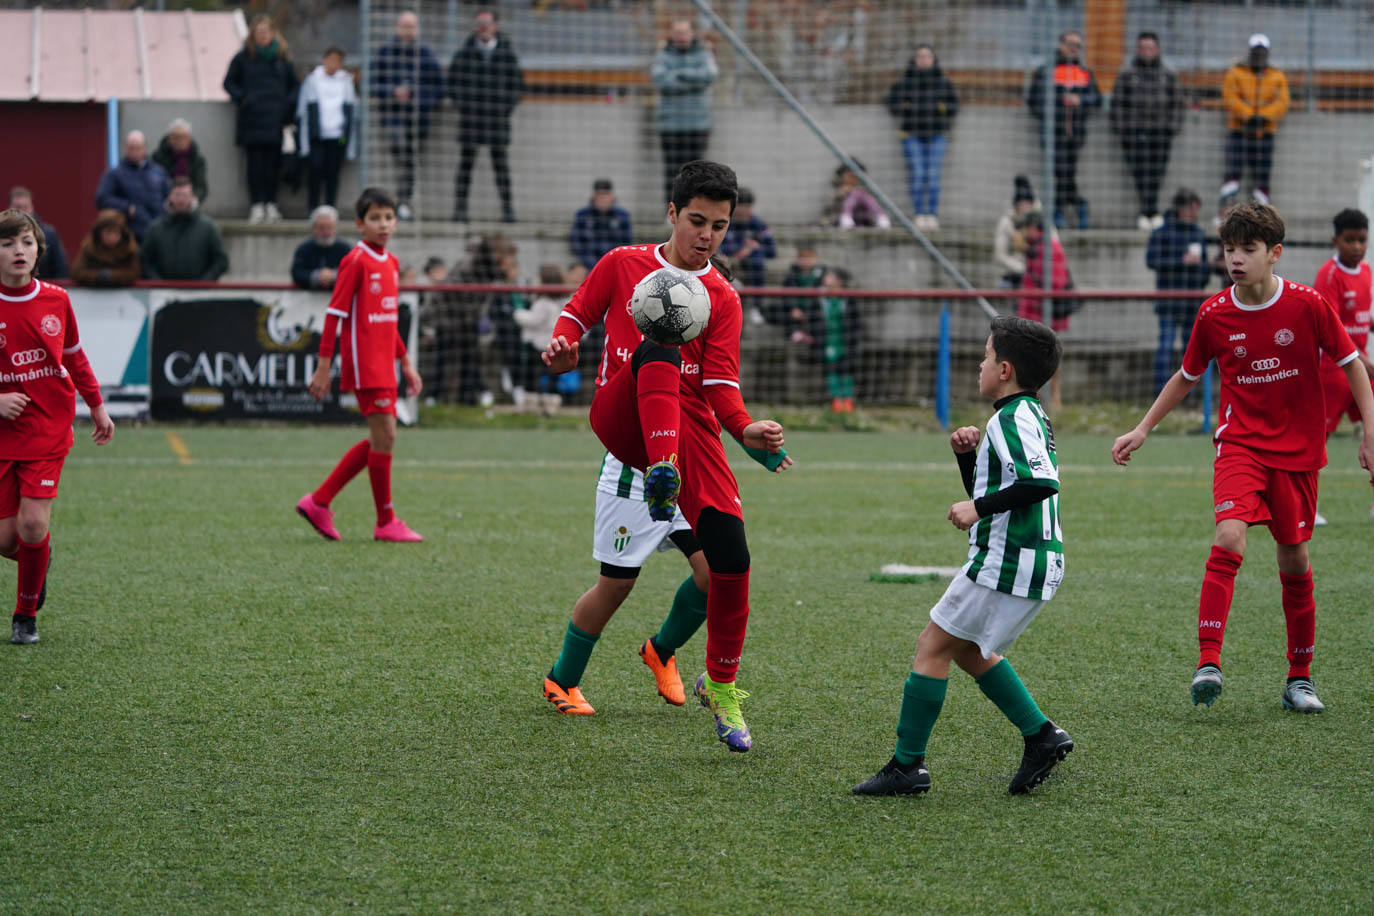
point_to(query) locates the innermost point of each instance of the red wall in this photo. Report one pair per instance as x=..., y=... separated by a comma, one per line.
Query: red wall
x=58, y=151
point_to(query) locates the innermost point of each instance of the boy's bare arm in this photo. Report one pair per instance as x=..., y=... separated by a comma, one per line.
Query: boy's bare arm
x=1175, y=390
x=1364, y=398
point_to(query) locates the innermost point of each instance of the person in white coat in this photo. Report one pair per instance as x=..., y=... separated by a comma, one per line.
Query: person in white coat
x=326, y=114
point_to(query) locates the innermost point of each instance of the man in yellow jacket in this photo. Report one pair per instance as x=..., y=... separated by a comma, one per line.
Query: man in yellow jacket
x=1256, y=99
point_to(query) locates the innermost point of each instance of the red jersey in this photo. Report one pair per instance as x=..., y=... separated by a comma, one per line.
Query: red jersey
x=364, y=299
x=710, y=363
x=1348, y=289
x=1269, y=358
x=40, y=355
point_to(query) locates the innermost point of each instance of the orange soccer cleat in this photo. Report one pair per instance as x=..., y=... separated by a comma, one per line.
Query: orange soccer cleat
x=666, y=678
x=569, y=702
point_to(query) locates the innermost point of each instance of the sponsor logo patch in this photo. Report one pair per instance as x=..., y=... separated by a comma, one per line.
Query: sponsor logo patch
x=1223, y=506
x=47, y=483
x=28, y=357
x=1240, y=336
x=1240, y=352
x=1283, y=337
x=1264, y=365
x=50, y=325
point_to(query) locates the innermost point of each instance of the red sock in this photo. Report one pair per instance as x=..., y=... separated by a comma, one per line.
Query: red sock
x=659, y=410
x=1214, y=604
x=1300, y=618
x=727, y=615
x=33, y=566
x=379, y=473
x=353, y=461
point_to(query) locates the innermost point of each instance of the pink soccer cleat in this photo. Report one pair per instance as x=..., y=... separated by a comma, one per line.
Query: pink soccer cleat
x=319, y=517
x=395, y=530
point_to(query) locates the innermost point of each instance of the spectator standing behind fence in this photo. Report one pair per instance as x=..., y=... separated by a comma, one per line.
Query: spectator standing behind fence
x=536, y=330
x=53, y=264
x=597, y=228
x=1177, y=253
x=833, y=332
x=458, y=322
x=183, y=244
x=1075, y=96
x=1008, y=245
x=327, y=117
x=180, y=157
x=683, y=70
x=749, y=242
x=406, y=83
x=262, y=82
x=1256, y=99
x=924, y=103
x=485, y=82
x=136, y=186
x=1147, y=110
x=1032, y=227
x=315, y=265
x=109, y=254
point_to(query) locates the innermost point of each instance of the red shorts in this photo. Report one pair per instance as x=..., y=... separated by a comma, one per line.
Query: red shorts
x=376, y=400
x=1244, y=488
x=33, y=479
x=1340, y=400
x=706, y=477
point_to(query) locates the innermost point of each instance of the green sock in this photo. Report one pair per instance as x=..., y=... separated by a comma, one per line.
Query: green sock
x=685, y=617
x=922, y=698
x=572, y=661
x=1001, y=685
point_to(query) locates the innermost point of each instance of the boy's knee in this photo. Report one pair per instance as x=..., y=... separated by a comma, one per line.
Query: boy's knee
x=722, y=540
x=1231, y=536
x=650, y=352
x=1293, y=559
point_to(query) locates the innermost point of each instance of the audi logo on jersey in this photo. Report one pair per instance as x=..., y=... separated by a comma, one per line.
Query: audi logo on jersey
x=1260, y=365
x=28, y=357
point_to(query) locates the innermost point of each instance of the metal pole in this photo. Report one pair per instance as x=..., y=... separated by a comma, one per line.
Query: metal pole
x=1311, y=55
x=365, y=88
x=112, y=131
x=878, y=193
x=1047, y=128
x=1207, y=399
x=942, y=363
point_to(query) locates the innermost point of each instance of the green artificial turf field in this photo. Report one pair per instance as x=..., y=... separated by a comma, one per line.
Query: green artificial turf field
x=228, y=713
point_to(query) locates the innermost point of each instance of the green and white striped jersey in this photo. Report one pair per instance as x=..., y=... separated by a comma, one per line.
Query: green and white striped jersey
x=620, y=479
x=1020, y=552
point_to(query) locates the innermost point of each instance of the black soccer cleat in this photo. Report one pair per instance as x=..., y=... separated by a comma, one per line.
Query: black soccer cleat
x=897, y=779
x=1043, y=750
x=23, y=631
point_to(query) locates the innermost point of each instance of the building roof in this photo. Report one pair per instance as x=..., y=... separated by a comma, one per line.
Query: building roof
x=95, y=55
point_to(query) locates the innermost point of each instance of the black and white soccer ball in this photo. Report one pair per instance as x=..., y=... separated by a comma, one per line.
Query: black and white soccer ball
x=670, y=307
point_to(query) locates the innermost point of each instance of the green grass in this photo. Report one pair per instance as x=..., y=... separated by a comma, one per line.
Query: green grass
x=227, y=713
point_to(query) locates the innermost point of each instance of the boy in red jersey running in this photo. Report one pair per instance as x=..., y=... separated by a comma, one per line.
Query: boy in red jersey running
x=1267, y=336
x=42, y=365
x=661, y=409
x=364, y=299
x=1345, y=281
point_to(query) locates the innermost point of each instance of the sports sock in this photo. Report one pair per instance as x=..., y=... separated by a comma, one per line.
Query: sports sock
x=33, y=565
x=1003, y=686
x=379, y=474
x=353, y=461
x=922, y=698
x=660, y=413
x=684, y=618
x=727, y=616
x=1300, y=619
x=572, y=661
x=1214, y=603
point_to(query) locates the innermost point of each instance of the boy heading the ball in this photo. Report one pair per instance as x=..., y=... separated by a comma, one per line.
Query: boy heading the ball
x=661, y=409
x=1015, y=564
x=363, y=313
x=1267, y=336
x=43, y=369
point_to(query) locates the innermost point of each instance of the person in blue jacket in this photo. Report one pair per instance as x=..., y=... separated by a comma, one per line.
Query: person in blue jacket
x=599, y=226
x=1177, y=253
x=407, y=83
x=136, y=187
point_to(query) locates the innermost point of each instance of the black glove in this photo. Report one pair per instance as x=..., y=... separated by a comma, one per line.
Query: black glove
x=1257, y=123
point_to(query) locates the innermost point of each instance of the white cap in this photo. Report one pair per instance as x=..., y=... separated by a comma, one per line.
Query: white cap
x=1259, y=40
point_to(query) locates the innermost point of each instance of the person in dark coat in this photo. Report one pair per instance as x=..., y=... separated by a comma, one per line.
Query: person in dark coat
x=315, y=265
x=53, y=265
x=1075, y=96
x=749, y=242
x=180, y=157
x=406, y=83
x=924, y=103
x=599, y=226
x=136, y=187
x=1177, y=253
x=1147, y=110
x=183, y=244
x=262, y=82
x=109, y=254
x=485, y=82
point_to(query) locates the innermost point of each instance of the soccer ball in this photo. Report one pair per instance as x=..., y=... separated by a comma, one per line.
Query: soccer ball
x=670, y=307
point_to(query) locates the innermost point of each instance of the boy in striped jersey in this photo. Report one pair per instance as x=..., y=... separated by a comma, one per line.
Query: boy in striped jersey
x=1015, y=564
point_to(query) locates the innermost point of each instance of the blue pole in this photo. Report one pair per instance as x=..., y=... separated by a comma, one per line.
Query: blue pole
x=112, y=131
x=1207, y=400
x=942, y=369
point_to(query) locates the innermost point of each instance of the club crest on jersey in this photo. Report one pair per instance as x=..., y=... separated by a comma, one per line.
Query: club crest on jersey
x=376, y=285
x=1283, y=337
x=50, y=325
x=1240, y=352
x=3, y=341
x=622, y=538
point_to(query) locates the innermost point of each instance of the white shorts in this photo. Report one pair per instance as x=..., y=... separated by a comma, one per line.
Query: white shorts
x=983, y=615
x=624, y=535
